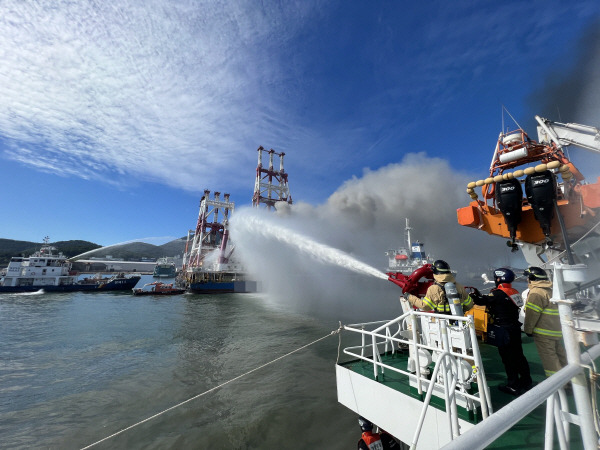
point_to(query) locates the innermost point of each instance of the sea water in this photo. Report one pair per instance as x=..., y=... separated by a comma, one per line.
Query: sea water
x=77, y=367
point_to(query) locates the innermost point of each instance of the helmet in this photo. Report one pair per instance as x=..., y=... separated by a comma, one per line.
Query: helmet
x=503, y=275
x=365, y=425
x=440, y=266
x=535, y=273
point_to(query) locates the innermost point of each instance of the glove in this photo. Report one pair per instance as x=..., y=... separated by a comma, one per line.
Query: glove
x=406, y=295
x=529, y=334
x=476, y=292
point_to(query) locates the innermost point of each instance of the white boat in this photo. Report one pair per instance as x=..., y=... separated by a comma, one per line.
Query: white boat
x=406, y=259
x=431, y=383
x=50, y=270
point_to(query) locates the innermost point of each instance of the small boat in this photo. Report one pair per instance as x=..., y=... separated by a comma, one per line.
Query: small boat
x=158, y=288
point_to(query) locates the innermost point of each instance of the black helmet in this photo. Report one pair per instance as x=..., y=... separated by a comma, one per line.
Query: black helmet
x=440, y=266
x=365, y=425
x=503, y=275
x=535, y=273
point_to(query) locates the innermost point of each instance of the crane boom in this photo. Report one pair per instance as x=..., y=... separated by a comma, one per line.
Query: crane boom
x=563, y=134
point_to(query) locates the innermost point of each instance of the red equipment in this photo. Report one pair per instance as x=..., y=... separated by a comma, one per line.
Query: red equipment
x=416, y=283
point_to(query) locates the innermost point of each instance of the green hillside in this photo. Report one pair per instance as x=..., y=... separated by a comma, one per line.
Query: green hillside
x=134, y=250
x=10, y=248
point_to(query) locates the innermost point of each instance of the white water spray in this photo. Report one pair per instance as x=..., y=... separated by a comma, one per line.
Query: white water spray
x=317, y=251
x=143, y=240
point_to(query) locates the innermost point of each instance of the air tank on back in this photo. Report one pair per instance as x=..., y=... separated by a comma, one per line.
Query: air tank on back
x=509, y=198
x=540, y=189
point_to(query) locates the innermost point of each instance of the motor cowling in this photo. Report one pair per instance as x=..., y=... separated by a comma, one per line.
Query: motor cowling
x=509, y=198
x=540, y=189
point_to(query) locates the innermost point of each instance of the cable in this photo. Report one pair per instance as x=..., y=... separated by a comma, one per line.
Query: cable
x=210, y=390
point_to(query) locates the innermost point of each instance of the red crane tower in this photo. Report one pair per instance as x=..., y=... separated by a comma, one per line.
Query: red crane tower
x=271, y=185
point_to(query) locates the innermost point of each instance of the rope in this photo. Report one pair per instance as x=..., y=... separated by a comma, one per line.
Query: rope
x=211, y=390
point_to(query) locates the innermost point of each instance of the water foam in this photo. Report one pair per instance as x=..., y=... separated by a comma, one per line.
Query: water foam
x=316, y=250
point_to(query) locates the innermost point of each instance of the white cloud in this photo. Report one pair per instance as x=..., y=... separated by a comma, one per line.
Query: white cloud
x=164, y=91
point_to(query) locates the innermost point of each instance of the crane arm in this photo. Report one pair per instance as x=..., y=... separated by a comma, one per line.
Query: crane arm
x=563, y=134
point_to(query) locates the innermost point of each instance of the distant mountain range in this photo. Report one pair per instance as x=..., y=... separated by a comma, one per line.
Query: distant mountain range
x=134, y=250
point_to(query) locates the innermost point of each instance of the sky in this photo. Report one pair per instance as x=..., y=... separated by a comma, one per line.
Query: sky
x=115, y=116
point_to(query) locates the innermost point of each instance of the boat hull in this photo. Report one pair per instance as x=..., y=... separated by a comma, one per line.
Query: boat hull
x=214, y=287
x=118, y=284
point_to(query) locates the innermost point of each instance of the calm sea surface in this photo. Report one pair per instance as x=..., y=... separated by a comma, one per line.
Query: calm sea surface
x=77, y=367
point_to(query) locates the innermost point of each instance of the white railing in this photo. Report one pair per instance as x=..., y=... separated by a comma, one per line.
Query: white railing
x=439, y=334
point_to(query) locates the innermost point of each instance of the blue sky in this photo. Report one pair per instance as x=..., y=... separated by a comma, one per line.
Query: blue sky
x=115, y=116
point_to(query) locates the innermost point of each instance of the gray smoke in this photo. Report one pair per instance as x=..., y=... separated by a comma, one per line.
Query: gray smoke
x=571, y=93
x=364, y=218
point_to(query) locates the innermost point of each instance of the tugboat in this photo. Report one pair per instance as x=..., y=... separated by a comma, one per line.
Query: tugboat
x=209, y=265
x=158, y=288
x=427, y=380
x=405, y=260
x=51, y=271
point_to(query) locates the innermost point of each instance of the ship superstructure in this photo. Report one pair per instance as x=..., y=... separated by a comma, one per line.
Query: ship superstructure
x=271, y=186
x=406, y=259
x=209, y=265
x=165, y=268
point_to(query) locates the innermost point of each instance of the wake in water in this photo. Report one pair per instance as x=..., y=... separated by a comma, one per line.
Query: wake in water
x=317, y=251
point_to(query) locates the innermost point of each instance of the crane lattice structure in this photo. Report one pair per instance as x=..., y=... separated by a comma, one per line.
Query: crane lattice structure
x=210, y=233
x=271, y=185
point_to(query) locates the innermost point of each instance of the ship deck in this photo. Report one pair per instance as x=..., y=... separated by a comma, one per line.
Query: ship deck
x=528, y=433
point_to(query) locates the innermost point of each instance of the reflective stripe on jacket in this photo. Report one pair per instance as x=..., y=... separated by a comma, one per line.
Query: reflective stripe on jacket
x=435, y=297
x=541, y=316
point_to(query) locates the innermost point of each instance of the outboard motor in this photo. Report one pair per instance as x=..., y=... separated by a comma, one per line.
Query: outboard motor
x=453, y=299
x=509, y=198
x=540, y=189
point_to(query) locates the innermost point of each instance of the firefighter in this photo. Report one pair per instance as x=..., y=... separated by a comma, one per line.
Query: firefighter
x=543, y=322
x=435, y=298
x=503, y=304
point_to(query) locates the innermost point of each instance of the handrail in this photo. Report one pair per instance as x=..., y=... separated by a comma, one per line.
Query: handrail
x=382, y=335
x=498, y=423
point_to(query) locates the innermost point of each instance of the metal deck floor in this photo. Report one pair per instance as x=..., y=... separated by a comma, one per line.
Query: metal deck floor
x=528, y=433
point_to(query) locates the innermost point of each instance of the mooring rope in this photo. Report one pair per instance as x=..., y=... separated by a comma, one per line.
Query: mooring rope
x=210, y=390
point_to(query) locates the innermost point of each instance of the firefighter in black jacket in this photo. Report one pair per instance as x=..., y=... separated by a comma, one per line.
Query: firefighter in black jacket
x=503, y=304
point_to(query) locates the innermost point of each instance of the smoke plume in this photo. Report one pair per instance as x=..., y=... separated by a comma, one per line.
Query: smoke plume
x=571, y=93
x=364, y=218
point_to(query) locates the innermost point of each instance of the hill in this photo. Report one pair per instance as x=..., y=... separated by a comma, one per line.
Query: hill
x=137, y=250
x=134, y=250
x=10, y=248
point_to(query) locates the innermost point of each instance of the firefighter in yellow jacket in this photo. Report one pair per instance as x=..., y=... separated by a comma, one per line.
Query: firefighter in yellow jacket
x=435, y=298
x=543, y=322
